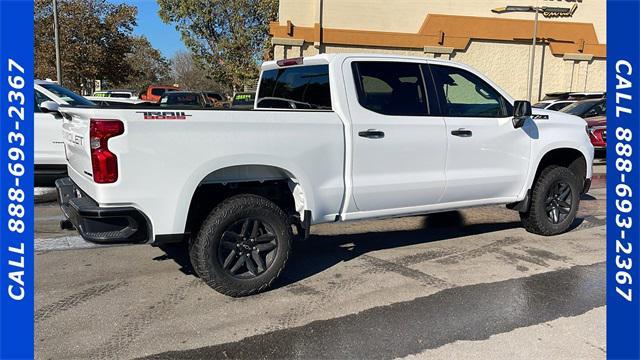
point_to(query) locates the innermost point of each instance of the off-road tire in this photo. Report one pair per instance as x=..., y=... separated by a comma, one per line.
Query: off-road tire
x=536, y=220
x=203, y=250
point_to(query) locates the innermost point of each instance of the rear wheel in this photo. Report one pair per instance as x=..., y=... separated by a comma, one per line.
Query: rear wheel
x=554, y=202
x=242, y=246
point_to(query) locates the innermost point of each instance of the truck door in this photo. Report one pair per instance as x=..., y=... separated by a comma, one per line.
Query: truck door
x=487, y=158
x=398, y=147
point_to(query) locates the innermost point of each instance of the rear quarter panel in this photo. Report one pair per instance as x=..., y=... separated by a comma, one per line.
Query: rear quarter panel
x=161, y=162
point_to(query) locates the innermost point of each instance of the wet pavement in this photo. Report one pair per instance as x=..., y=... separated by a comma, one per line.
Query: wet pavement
x=428, y=322
x=458, y=284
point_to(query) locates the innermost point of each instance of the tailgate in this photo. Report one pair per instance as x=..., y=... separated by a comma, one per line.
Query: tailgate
x=75, y=131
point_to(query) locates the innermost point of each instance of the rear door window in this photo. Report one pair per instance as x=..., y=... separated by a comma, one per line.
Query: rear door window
x=390, y=88
x=300, y=87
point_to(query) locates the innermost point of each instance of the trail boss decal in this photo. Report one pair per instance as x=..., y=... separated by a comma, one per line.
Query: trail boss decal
x=163, y=115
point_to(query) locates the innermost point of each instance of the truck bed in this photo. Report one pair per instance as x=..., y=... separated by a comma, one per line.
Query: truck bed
x=163, y=156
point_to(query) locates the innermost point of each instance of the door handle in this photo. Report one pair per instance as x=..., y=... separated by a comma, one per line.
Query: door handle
x=372, y=134
x=462, y=132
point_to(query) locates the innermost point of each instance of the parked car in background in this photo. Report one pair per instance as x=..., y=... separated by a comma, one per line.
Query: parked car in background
x=185, y=99
x=118, y=102
x=117, y=93
x=49, y=158
x=568, y=95
x=243, y=100
x=561, y=95
x=555, y=105
x=153, y=93
x=587, y=108
x=597, y=128
x=587, y=95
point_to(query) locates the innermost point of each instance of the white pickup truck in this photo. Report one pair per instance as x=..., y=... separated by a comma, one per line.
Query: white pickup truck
x=331, y=138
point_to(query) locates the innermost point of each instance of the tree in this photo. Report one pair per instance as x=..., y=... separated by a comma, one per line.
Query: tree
x=226, y=37
x=95, y=39
x=190, y=75
x=147, y=65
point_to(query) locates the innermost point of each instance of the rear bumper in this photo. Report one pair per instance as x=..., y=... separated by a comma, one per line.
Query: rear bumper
x=102, y=225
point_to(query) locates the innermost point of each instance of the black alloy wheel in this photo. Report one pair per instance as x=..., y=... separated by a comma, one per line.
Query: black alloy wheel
x=558, y=202
x=242, y=246
x=555, y=198
x=247, y=248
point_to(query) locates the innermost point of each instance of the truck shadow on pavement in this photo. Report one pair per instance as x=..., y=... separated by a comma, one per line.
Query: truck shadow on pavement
x=321, y=252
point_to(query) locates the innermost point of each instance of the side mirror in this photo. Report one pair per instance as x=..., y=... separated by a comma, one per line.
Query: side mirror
x=521, y=111
x=50, y=107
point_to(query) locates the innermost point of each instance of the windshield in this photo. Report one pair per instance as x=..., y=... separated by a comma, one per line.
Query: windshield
x=540, y=105
x=67, y=95
x=579, y=108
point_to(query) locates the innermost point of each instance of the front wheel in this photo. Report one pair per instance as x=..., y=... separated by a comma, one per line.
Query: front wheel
x=242, y=246
x=554, y=202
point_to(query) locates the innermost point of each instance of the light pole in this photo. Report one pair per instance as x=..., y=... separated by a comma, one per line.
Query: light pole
x=57, y=41
x=558, y=11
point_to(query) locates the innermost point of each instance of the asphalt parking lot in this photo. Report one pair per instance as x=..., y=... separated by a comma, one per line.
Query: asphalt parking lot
x=463, y=284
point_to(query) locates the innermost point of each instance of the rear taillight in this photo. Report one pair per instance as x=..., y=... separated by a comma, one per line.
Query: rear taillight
x=103, y=161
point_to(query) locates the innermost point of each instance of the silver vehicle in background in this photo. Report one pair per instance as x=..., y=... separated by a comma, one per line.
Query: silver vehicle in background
x=49, y=158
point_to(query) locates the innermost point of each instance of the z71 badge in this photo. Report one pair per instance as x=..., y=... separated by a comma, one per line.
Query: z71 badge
x=163, y=115
x=540, y=117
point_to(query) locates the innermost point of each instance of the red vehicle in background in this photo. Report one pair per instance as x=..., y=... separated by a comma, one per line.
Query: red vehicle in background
x=593, y=111
x=597, y=127
x=155, y=92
